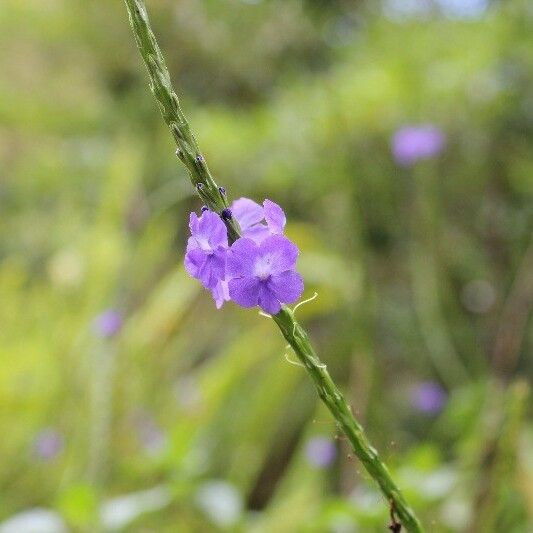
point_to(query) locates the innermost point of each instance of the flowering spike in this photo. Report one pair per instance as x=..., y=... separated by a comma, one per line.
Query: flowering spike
x=295, y=335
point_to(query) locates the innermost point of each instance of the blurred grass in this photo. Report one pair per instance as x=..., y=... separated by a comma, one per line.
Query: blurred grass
x=296, y=101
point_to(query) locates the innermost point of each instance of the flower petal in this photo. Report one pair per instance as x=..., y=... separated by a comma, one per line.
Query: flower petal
x=220, y=293
x=192, y=244
x=287, y=286
x=274, y=216
x=209, y=268
x=194, y=261
x=209, y=231
x=257, y=233
x=267, y=299
x=241, y=258
x=247, y=212
x=244, y=291
x=282, y=253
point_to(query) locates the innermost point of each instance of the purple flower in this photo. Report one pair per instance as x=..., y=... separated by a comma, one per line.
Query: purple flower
x=320, y=451
x=250, y=216
x=428, y=397
x=108, y=323
x=205, y=259
x=48, y=444
x=263, y=274
x=411, y=143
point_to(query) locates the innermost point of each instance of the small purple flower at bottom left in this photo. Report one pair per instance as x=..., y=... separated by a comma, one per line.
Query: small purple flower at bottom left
x=48, y=444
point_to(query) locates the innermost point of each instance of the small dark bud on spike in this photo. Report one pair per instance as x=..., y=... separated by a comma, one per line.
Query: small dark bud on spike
x=199, y=158
x=222, y=190
x=205, y=208
x=226, y=214
x=179, y=153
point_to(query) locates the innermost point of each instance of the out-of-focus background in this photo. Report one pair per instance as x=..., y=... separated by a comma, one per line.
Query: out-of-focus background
x=397, y=136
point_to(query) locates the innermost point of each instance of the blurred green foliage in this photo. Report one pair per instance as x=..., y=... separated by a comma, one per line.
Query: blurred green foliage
x=424, y=273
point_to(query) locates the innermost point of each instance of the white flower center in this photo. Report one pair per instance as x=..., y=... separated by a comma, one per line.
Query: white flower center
x=263, y=267
x=204, y=245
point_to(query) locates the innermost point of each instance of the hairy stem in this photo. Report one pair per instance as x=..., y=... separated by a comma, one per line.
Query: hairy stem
x=189, y=153
x=336, y=403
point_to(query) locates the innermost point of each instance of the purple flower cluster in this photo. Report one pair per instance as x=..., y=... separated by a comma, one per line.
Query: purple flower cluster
x=257, y=269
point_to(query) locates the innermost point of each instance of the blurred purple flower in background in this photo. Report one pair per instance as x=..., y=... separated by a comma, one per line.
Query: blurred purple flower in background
x=415, y=142
x=320, y=451
x=108, y=323
x=428, y=397
x=149, y=434
x=48, y=444
x=188, y=394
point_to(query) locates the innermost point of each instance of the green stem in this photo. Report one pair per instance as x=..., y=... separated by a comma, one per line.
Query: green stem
x=189, y=153
x=297, y=337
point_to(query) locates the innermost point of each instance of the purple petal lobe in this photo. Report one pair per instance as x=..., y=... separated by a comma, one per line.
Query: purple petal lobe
x=280, y=252
x=192, y=244
x=209, y=268
x=257, y=233
x=274, y=216
x=220, y=293
x=244, y=291
x=287, y=286
x=194, y=260
x=241, y=258
x=213, y=269
x=209, y=231
x=267, y=299
x=247, y=212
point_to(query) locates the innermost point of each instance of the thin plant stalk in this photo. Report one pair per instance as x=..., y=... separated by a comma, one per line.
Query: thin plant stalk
x=215, y=198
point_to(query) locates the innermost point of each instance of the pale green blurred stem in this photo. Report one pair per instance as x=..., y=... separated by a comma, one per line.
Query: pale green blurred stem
x=188, y=152
x=499, y=461
x=102, y=371
x=425, y=281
